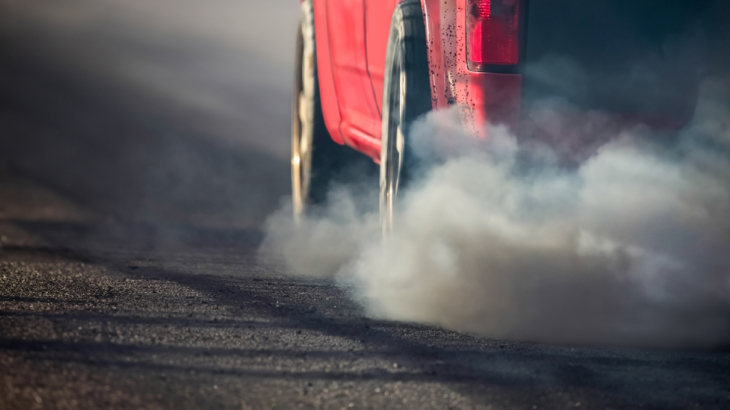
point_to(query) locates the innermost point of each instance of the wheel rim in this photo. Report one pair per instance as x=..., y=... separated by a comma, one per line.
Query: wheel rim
x=303, y=114
x=392, y=157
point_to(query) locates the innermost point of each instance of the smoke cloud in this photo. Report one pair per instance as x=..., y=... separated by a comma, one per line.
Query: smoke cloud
x=504, y=239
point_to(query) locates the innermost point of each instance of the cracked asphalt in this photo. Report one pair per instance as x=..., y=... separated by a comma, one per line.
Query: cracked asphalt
x=130, y=214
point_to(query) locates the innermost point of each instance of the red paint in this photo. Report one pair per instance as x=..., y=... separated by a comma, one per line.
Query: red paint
x=349, y=105
x=330, y=107
x=352, y=38
x=495, y=99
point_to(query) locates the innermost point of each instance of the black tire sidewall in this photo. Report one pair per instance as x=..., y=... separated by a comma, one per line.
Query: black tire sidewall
x=407, y=51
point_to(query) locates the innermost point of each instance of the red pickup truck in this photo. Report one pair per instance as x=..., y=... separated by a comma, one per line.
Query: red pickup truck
x=366, y=69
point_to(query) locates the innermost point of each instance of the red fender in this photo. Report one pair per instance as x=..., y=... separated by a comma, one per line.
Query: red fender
x=482, y=97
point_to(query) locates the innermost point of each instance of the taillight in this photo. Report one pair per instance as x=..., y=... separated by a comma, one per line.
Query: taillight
x=492, y=33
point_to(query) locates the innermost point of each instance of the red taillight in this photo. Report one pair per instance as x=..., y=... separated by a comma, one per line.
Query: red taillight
x=492, y=32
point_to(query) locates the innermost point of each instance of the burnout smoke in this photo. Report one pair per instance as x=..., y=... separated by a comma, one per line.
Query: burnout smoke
x=501, y=238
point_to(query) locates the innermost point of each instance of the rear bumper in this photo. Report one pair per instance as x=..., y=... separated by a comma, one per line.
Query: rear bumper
x=491, y=99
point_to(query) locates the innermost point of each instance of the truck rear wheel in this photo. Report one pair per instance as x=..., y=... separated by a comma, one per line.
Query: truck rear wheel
x=317, y=161
x=406, y=96
x=314, y=155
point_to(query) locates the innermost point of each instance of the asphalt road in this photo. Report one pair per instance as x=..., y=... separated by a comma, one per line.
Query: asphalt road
x=136, y=166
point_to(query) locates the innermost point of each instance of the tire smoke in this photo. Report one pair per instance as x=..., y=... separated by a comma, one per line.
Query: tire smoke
x=629, y=246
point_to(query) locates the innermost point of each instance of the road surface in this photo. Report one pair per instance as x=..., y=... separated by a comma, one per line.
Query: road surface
x=137, y=162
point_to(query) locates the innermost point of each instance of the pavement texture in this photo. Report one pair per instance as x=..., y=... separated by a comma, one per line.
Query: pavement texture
x=129, y=271
x=101, y=313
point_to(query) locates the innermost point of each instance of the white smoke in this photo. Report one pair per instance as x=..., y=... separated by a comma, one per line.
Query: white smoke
x=630, y=246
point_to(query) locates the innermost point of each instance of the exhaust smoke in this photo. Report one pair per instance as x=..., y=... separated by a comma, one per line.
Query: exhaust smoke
x=503, y=238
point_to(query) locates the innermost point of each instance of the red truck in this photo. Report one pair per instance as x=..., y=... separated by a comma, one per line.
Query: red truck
x=366, y=69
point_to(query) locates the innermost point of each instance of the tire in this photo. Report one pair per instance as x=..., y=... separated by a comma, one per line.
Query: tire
x=406, y=96
x=317, y=161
